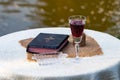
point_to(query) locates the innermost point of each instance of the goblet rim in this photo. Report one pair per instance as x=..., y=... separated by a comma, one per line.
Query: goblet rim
x=81, y=17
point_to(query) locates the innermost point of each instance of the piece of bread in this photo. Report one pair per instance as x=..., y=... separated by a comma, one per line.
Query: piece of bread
x=33, y=57
x=83, y=41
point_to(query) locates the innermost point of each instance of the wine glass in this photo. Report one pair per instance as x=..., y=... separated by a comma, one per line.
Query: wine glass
x=77, y=23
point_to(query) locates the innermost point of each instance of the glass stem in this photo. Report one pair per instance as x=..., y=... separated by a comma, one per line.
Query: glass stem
x=77, y=46
x=77, y=49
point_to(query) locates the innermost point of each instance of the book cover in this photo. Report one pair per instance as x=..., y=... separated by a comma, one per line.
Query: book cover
x=47, y=43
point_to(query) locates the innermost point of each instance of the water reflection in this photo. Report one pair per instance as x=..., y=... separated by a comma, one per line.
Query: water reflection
x=104, y=15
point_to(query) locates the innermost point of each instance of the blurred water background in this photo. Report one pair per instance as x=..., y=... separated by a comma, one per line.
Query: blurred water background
x=16, y=15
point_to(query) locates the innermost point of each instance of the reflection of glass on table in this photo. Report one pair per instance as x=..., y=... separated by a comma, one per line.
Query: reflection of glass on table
x=50, y=59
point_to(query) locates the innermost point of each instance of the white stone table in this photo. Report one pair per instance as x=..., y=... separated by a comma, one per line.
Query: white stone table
x=14, y=66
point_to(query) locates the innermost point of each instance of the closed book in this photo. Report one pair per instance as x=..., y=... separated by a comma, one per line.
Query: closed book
x=47, y=43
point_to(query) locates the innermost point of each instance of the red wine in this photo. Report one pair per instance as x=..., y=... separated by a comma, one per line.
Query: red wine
x=77, y=28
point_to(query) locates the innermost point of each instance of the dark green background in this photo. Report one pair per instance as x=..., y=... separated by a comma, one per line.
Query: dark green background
x=102, y=15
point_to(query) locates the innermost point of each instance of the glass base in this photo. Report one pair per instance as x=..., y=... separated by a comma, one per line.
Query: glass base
x=76, y=60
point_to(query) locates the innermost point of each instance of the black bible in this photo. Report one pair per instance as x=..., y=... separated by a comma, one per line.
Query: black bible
x=47, y=43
